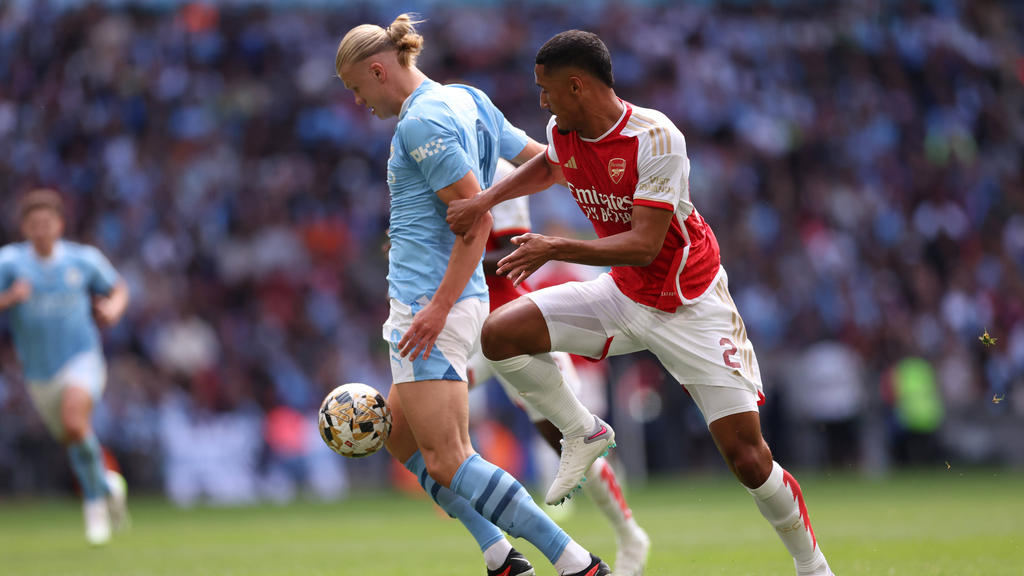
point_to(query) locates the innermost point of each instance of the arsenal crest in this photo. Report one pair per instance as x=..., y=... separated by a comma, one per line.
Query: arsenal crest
x=616, y=168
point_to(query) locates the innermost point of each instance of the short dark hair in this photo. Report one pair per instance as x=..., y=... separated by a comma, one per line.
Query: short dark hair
x=580, y=49
x=40, y=198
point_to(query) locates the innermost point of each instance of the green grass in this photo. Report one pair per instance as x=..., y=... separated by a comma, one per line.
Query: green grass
x=943, y=523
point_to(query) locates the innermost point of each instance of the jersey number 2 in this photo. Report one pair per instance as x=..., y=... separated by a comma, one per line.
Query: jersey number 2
x=729, y=352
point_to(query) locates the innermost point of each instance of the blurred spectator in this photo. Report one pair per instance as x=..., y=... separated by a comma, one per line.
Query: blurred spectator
x=827, y=394
x=917, y=410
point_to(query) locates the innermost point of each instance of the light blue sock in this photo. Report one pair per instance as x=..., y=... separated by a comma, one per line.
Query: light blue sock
x=497, y=496
x=87, y=463
x=456, y=506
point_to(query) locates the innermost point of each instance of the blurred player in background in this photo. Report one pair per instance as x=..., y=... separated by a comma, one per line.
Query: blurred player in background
x=512, y=218
x=57, y=293
x=446, y=146
x=628, y=170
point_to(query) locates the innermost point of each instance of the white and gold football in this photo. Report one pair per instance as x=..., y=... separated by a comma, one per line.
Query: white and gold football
x=355, y=420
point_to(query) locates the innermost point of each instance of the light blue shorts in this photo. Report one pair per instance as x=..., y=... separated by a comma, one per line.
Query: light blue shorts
x=85, y=370
x=455, y=344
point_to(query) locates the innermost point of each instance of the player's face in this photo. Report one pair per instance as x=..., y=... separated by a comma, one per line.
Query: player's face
x=557, y=97
x=365, y=80
x=42, y=226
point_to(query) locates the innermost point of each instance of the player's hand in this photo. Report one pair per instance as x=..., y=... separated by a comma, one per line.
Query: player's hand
x=463, y=214
x=20, y=291
x=533, y=251
x=104, y=312
x=423, y=332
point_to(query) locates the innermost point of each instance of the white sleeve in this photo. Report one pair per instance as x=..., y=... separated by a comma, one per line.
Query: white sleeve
x=663, y=169
x=552, y=154
x=511, y=215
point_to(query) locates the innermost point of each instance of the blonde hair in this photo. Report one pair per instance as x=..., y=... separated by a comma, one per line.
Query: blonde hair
x=366, y=40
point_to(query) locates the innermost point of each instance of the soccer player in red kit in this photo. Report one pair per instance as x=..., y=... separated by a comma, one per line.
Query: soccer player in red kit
x=627, y=168
x=512, y=218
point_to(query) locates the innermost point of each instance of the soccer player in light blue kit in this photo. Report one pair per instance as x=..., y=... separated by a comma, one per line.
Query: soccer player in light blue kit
x=446, y=146
x=57, y=292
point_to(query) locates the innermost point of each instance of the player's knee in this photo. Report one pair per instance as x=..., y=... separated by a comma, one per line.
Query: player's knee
x=752, y=464
x=493, y=344
x=441, y=465
x=75, y=429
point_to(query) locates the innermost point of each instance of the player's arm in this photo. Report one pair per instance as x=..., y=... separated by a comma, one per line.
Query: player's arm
x=466, y=253
x=534, y=175
x=532, y=149
x=638, y=246
x=110, y=292
x=19, y=291
x=108, y=309
x=16, y=290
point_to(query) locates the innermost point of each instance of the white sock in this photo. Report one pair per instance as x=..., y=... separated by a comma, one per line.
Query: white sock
x=782, y=503
x=573, y=559
x=496, y=553
x=538, y=380
x=603, y=488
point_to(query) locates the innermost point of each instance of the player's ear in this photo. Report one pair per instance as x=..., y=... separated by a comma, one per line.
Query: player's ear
x=575, y=84
x=377, y=72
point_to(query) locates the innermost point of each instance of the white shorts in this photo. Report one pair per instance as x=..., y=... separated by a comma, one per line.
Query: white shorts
x=703, y=345
x=86, y=370
x=455, y=344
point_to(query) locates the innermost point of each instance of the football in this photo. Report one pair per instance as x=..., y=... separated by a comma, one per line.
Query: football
x=355, y=420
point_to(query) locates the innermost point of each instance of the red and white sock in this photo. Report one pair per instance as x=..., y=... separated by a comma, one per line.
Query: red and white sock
x=603, y=488
x=782, y=503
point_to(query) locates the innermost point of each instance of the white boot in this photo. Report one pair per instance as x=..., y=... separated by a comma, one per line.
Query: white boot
x=97, y=521
x=634, y=545
x=117, y=500
x=578, y=453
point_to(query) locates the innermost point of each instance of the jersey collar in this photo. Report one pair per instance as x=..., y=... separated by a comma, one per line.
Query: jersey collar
x=427, y=84
x=58, y=251
x=626, y=111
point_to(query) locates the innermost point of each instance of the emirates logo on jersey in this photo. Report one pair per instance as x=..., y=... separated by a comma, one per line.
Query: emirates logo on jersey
x=616, y=168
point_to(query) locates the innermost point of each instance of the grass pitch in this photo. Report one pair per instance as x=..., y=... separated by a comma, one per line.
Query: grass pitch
x=941, y=523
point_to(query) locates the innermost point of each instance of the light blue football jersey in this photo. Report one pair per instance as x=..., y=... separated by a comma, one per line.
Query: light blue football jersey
x=56, y=322
x=443, y=133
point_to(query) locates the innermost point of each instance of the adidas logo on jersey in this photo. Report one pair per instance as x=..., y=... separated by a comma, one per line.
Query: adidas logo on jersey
x=571, y=163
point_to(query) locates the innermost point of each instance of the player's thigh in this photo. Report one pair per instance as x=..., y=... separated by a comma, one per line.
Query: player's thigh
x=438, y=415
x=86, y=373
x=514, y=328
x=401, y=442
x=83, y=380
x=432, y=392
x=46, y=398
x=705, y=347
x=591, y=319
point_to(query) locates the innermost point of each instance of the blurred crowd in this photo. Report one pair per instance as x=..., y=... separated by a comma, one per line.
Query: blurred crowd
x=860, y=162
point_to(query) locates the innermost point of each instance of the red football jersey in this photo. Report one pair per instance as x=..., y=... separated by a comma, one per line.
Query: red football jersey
x=511, y=218
x=641, y=161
